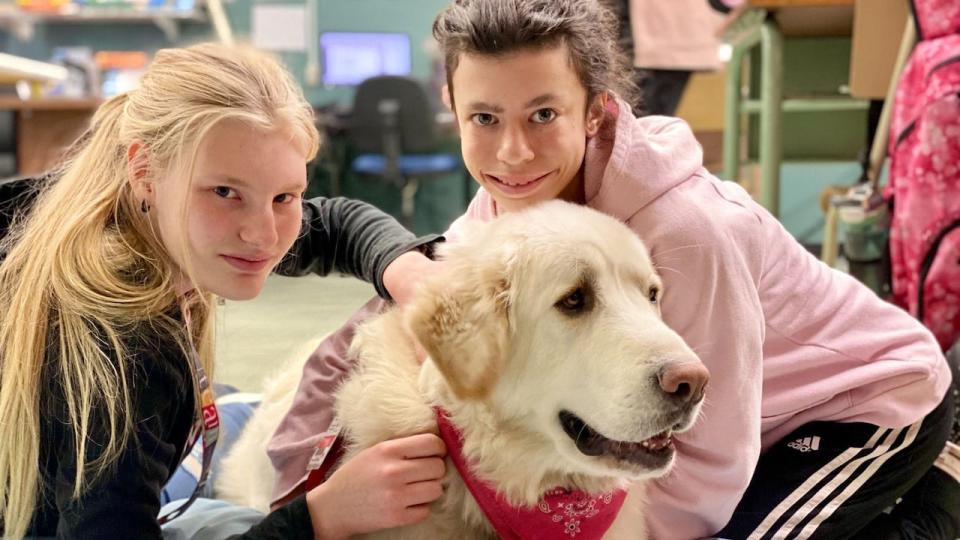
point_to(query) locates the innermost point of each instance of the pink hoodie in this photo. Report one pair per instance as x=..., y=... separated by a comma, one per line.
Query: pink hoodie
x=787, y=339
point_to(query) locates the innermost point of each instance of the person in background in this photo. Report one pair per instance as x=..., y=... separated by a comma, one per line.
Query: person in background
x=668, y=41
x=186, y=189
x=826, y=405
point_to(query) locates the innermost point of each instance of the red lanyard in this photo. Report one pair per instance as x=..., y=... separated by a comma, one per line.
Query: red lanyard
x=207, y=423
x=326, y=454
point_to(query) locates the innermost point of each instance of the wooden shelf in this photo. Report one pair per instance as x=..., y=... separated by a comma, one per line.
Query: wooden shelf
x=16, y=68
x=10, y=103
x=107, y=15
x=167, y=19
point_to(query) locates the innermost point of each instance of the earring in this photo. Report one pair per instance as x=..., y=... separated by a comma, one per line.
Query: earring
x=144, y=207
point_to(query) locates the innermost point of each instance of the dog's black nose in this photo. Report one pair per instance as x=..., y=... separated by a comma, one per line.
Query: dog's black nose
x=684, y=381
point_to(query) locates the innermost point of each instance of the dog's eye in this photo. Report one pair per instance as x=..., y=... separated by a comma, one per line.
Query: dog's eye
x=573, y=302
x=654, y=295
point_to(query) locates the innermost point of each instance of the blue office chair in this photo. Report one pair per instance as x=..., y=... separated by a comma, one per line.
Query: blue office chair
x=393, y=128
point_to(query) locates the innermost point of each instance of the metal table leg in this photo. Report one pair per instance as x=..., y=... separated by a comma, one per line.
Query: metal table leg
x=746, y=37
x=771, y=115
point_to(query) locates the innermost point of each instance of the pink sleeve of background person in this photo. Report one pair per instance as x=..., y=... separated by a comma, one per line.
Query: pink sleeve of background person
x=675, y=34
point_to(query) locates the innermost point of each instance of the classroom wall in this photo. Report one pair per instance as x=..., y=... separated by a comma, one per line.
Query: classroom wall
x=439, y=201
x=414, y=17
x=814, y=66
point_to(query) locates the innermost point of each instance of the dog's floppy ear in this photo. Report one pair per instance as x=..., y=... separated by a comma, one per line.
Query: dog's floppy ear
x=464, y=327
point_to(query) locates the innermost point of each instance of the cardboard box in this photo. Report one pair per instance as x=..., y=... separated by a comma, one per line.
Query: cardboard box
x=816, y=19
x=877, y=29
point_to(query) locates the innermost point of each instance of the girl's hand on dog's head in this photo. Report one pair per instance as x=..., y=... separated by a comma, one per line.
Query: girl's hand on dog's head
x=388, y=485
x=403, y=276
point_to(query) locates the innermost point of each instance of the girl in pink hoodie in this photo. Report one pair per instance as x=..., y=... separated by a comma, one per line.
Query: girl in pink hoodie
x=825, y=406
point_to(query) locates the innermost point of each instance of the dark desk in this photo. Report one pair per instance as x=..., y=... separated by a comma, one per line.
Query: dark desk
x=45, y=128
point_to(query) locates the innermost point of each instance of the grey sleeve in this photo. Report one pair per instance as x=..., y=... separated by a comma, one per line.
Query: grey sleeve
x=352, y=237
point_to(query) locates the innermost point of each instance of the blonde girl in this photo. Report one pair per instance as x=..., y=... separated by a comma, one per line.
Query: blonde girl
x=183, y=190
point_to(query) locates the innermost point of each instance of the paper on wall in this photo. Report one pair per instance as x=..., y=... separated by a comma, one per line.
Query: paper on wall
x=279, y=27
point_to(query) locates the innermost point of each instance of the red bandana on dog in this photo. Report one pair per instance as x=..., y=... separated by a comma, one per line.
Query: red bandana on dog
x=561, y=513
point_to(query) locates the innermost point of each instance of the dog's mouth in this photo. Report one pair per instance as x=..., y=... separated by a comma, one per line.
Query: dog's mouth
x=653, y=453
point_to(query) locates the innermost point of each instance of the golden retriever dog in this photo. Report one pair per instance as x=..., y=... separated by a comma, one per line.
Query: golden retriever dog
x=547, y=353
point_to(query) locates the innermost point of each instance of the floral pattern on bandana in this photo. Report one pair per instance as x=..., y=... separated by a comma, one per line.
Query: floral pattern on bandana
x=560, y=514
x=572, y=507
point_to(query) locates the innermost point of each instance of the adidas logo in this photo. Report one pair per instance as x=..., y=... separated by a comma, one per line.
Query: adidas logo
x=806, y=444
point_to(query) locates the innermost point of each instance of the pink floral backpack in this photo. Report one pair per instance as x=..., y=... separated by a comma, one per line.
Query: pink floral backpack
x=925, y=173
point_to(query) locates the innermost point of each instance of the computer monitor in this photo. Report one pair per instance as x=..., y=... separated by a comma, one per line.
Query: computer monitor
x=349, y=58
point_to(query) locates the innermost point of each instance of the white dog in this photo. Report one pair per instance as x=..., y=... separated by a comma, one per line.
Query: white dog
x=548, y=359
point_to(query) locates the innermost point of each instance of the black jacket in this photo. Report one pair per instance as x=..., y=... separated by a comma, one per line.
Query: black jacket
x=338, y=235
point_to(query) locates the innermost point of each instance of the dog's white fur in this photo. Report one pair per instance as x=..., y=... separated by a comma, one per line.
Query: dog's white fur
x=505, y=358
x=246, y=475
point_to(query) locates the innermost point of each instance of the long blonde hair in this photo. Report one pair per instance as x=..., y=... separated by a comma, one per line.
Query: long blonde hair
x=85, y=268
